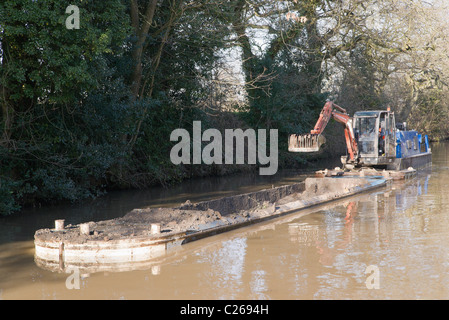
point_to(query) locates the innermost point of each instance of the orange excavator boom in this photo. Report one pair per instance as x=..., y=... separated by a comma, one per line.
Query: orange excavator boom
x=313, y=141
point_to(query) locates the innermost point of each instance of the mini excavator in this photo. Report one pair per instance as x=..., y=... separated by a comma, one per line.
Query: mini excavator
x=372, y=139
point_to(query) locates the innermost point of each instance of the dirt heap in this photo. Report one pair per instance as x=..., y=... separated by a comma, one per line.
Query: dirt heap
x=172, y=219
x=188, y=217
x=248, y=201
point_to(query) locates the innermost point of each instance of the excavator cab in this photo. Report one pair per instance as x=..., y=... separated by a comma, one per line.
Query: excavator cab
x=375, y=135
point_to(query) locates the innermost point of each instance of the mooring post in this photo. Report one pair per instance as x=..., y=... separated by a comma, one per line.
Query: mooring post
x=155, y=228
x=84, y=228
x=59, y=225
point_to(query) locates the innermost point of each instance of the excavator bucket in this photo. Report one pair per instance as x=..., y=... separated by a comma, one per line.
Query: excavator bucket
x=305, y=142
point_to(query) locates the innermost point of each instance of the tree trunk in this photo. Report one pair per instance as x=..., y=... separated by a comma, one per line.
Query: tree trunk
x=141, y=31
x=7, y=110
x=7, y=119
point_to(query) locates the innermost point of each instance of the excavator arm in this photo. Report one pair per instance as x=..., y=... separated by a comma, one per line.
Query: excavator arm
x=313, y=141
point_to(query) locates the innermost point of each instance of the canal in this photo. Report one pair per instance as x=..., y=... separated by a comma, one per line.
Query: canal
x=392, y=243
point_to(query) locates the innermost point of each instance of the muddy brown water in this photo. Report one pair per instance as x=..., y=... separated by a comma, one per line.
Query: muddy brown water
x=328, y=252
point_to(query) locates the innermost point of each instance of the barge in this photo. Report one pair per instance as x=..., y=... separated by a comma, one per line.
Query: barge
x=148, y=234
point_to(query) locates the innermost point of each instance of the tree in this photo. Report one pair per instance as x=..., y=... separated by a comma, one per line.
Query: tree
x=401, y=64
x=49, y=75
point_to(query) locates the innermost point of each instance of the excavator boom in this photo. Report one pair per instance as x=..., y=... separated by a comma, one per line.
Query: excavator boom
x=313, y=141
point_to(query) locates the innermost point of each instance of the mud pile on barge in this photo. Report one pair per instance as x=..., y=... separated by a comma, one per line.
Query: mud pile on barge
x=147, y=233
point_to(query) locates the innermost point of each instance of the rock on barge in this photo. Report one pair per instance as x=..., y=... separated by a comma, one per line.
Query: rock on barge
x=145, y=234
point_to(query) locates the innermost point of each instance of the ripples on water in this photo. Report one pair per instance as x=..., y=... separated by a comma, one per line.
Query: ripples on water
x=323, y=253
